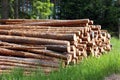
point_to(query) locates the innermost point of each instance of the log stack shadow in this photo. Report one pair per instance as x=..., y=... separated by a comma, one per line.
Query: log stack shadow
x=49, y=44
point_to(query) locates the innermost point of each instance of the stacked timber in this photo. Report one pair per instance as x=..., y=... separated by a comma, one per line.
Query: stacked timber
x=47, y=44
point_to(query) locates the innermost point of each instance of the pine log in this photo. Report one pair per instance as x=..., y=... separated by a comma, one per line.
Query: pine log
x=52, y=29
x=37, y=20
x=108, y=36
x=90, y=44
x=95, y=27
x=69, y=29
x=28, y=65
x=74, y=61
x=78, y=52
x=8, y=52
x=58, y=48
x=9, y=27
x=107, y=47
x=46, y=69
x=69, y=37
x=30, y=40
x=60, y=23
x=73, y=54
x=22, y=47
x=31, y=61
x=69, y=58
x=49, y=32
x=16, y=64
x=82, y=45
x=91, y=22
x=86, y=39
x=42, y=52
x=84, y=53
x=25, y=20
x=25, y=71
x=10, y=71
x=101, y=49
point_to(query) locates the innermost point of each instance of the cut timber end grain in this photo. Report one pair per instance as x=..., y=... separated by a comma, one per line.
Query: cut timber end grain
x=69, y=59
x=91, y=22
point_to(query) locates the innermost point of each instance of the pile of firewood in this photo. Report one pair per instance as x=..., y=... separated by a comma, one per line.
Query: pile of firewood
x=47, y=44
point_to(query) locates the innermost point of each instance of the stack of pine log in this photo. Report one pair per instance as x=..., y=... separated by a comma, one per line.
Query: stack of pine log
x=47, y=44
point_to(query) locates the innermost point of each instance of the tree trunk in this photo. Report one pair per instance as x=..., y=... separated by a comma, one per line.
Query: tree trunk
x=16, y=12
x=5, y=9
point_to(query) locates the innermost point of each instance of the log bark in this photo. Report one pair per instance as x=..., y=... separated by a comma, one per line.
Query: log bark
x=8, y=52
x=60, y=48
x=22, y=47
x=77, y=32
x=43, y=32
x=30, y=40
x=44, y=69
x=16, y=64
x=8, y=27
x=28, y=65
x=60, y=23
x=68, y=37
x=31, y=61
x=38, y=20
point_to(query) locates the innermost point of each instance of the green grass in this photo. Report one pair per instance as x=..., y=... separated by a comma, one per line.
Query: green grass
x=89, y=69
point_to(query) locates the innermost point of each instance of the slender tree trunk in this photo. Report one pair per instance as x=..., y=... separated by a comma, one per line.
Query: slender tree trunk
x=5, y=9
x=16, y=12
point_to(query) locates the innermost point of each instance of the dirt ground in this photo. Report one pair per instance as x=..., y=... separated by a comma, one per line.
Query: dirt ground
x=113, y=77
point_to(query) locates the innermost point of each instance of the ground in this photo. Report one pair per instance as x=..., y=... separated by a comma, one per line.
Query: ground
x=113, y=77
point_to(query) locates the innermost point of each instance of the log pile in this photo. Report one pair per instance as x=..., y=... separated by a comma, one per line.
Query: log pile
x=47, y=44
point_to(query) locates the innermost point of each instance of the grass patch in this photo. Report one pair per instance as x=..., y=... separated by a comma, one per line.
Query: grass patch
x=89, y=69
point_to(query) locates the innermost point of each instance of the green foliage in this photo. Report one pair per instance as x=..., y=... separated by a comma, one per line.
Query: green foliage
x=38, y=9
x=89, y=69
x=103, y=12
x=41, y=9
